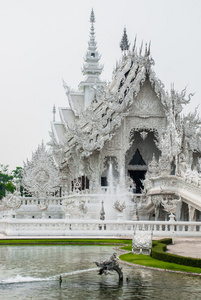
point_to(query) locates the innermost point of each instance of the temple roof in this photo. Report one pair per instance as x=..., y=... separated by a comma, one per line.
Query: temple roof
x=86, y=129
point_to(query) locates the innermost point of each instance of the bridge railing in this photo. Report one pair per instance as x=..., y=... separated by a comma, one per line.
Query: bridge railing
x=68, y=227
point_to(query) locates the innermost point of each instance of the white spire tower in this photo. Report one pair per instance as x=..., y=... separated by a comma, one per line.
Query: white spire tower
x=91, y=68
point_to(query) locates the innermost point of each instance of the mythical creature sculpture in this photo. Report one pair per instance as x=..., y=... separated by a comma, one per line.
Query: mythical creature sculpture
x=118, y=206
x=142, y=242
x=170, y=205
x=109, y=266
x=82, y=207
x=11, y=201
x=43, y=207
x=68, y=206
x=156, y=200
x=182, y=165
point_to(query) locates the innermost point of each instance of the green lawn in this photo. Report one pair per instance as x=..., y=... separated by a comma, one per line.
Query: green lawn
x=146, y=260
x=106, y=242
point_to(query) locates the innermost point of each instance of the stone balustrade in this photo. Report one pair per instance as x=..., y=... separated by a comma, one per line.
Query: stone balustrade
x=36, y=201
x=67, y=227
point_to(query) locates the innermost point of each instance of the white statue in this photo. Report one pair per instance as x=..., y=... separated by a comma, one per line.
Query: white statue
x=170, y=205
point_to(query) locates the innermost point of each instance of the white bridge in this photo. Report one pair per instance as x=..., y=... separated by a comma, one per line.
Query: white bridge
x=188, y=188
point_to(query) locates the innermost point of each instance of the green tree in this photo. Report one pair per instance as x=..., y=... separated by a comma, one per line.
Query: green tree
x=17, y=175
x=6, y=181
x=17, y=178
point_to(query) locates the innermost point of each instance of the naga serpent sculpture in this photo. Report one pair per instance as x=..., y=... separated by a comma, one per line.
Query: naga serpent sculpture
x=110, y=265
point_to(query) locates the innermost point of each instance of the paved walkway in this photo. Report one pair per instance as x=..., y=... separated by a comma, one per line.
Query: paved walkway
x=190, y=247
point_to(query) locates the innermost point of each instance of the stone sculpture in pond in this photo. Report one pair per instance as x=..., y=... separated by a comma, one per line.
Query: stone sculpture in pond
x=110, y=265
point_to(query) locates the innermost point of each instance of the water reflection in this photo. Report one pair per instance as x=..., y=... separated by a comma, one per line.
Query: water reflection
x=32, y=272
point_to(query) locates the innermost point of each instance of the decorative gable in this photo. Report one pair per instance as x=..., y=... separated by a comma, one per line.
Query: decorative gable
x=147, y=103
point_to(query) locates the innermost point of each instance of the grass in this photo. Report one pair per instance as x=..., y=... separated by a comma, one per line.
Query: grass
x=106, y=242
x=148, y=261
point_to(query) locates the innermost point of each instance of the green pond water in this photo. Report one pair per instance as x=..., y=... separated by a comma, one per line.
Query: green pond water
x=32, y=272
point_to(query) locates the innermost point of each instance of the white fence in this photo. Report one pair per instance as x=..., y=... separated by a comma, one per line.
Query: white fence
x=67, y=227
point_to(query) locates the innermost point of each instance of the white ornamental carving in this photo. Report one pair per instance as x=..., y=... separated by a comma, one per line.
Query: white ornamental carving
x=41, y=176
x=11, y=201
x=153, y=168
x=143, y=134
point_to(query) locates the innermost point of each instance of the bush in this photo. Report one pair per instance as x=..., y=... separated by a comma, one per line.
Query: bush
x=158, y=252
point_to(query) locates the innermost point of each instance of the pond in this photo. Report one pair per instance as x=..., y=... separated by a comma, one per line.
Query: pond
x=32, y=272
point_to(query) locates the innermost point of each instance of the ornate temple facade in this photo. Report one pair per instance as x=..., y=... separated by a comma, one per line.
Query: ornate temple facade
x=135, y=125
x=121, y=150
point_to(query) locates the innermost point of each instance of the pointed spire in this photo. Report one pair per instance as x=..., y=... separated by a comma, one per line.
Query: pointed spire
x=92, y=17
x=54, y=113
x=92, y=41
x=124, y=45
x=91, y=66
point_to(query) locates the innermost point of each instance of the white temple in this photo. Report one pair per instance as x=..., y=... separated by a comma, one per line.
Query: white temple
x=112, y=134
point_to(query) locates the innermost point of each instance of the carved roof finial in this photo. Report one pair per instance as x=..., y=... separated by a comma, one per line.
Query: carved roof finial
x=146, y=52
x=134, y=46
x=172, y=88
x=141, y=48
x=124, y=45
x=149, y=48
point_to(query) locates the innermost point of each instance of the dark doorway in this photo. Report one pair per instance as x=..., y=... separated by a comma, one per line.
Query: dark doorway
x=137, y=162
x=137, y=159
x=138, y=176
x=104, y=181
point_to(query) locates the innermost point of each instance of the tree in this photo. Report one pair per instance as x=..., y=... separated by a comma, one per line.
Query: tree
x=6, y=181
x=17, y=175
x=17, y=178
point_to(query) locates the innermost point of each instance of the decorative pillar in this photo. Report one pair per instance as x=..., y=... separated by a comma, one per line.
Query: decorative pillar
x=192, y=215
x=178, y=212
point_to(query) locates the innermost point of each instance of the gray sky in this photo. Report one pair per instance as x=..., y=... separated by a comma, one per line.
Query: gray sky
x=43, y=41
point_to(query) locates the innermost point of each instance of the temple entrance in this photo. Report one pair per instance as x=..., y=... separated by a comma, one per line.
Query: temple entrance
x=137, y=169
x=137, y=176
x=140, y=153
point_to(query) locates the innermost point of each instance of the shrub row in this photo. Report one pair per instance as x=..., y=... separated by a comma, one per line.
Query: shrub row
x=158, y=252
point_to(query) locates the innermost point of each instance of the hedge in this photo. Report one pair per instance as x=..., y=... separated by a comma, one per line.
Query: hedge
x=158, y=252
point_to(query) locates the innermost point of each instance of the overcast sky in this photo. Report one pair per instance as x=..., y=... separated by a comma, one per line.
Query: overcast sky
x=43, y=41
